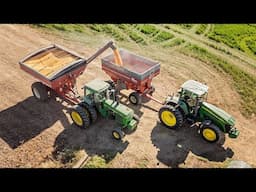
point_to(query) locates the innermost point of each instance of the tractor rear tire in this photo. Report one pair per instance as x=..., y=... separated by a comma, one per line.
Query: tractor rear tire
x=212, y=134
x=80, y=117
x=93, y=114
x=172, y=118
x=118, y=134
x=40, y=91
x=135, y=98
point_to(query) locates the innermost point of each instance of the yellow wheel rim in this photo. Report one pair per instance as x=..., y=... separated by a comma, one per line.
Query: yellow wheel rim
x=77, y=118
x=168, y=118
x=209, y=134
x=116, y=135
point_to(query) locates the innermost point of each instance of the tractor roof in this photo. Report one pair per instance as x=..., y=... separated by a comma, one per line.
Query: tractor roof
x=195, y=87
x=97, y=85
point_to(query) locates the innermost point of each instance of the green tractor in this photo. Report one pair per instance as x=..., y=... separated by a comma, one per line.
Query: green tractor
x=100, y=98
x=189, y=105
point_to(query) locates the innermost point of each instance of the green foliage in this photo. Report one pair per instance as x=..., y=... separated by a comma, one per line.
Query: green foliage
x=163, y=36
x=174, y=42
x=235, y=35
x=95, y=27
x=201, y=29
x=252, y=46
x=96, y=162
x=186, y=26
x=148, y=29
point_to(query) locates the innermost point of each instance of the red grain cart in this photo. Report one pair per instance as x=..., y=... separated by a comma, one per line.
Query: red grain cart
x=136, y=73
x=57, y=68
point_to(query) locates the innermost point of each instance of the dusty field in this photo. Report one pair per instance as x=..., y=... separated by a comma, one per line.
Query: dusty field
x=31, y=132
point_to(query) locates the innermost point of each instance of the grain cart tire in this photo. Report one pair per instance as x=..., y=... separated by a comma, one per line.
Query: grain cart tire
x=212, y=134
x=118, y=134
x=40, y=91
x=135, y=98
x=172, y=118
x=80, y=117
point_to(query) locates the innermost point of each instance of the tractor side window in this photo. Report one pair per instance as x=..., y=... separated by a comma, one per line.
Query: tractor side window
x=98, y=98
x=191, y=100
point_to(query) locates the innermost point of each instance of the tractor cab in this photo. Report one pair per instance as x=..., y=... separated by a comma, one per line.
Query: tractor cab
x=193, y=93
x=97, y=91
x=189, y=104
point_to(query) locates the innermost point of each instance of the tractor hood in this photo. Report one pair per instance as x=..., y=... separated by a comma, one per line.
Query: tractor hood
x=218, y=113
x=119, y=108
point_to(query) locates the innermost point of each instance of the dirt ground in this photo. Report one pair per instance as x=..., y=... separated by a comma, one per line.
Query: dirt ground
x=31, y=132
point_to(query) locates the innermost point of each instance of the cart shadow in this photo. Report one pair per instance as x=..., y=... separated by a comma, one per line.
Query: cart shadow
x=137, y=108
x=28, y=118
x=96, y=140
x=175, y=145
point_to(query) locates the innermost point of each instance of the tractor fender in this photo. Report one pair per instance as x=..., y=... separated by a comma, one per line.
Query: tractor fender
x=205, y=122
x=181, y=106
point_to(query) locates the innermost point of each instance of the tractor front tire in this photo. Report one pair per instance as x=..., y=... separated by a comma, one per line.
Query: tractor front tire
x=118, y=134
x=212, y=134
x=80, y=117
x=172, y=118
x=135, y=98
x=40, y=91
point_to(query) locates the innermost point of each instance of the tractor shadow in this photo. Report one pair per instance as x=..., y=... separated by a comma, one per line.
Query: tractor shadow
x=96, y=140
x=28, y=118
x=175, y=145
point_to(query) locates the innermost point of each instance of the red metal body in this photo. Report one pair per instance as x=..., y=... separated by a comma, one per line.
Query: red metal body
x=136, y=73
x=63, y=85
x=141, y=86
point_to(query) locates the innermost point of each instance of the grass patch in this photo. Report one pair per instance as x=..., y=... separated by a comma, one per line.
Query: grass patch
x=163, y=36
x=186, y=26
x=243, y=82
x=174, y=42
x=101, y=161
x=201, y=29
x=96, y=162
x=148, y=29
x=238, y=36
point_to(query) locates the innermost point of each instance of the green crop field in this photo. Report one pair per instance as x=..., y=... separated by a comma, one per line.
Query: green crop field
x=240, y=37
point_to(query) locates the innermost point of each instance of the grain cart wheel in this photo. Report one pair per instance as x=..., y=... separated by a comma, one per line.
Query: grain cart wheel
x=170, y=117
x=212, y=134
x=40, y=91
x=80, y=117
x=118, y=134
x=135, y=98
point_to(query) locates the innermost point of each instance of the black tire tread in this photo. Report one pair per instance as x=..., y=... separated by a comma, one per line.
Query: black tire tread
x=176, y=112
x=42, y=90
x=137, y=96
x=219, y=133
x=83, y=114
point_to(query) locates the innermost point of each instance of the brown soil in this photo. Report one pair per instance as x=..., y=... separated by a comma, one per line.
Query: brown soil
x=32, y=132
